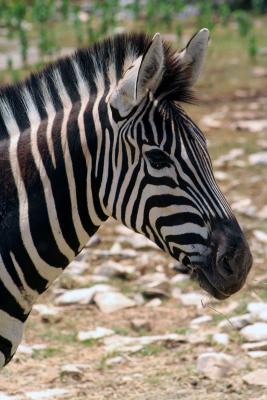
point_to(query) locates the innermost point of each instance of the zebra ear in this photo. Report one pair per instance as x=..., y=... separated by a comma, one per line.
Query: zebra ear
x=194, y=53
x=144, y=74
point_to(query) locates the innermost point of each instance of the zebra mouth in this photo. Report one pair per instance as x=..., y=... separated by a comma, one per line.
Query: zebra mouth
x=206, y=284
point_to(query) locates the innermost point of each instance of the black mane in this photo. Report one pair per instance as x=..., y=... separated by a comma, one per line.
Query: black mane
x=175, y=84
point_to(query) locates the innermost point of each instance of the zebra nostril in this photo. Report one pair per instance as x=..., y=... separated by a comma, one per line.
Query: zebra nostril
x=226, y=266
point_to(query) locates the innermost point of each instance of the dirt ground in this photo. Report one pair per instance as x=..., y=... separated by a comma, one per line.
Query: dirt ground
x=167, y=371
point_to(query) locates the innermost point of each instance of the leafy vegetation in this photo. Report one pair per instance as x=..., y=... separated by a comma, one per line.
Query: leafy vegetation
x=49, y=24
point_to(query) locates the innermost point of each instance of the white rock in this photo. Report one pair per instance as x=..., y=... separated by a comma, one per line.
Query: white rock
x=46, y=394
x=201, y=320
x=257, y=354
x=230, y=156
x=109, y=302
x=29, y=349
x=258, y=158
x=212, y=121
x=259, y=72
x=24, y=349
x=139, y=324
x=77, y=267
x=139, y=299
x=260, y=236
x=192, y=299
x=238, y=322
x=4, y=396
x=221, y=176
x=155, y=285
x=179, y=278
x=126, y=343
x=98, y=333
x=256, y=308
x=244, y=206
x=48, y=313
x=82, y=296
x=152, y=277
x=257, y=377
x=75, y=371
x=215, y=365
x=221, y=338
x=154, y=303
x=176, y=293
x=262, y=214
x=114, y=361
x=263, y=316
x=257, y=125
x=257, y=346
x=98, y=279
x=115, y=251
x=115, y=248
x=112, y=269
x=255, y=332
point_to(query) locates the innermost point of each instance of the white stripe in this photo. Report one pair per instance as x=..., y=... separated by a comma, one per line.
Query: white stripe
x=35, y=121
x=23, y=301
x=30, y=294
x=47, y=271
x=51, y=114
x=67, y=106
x=188, y=227
x=83, y=90
x=98, y=129
x=11, y=329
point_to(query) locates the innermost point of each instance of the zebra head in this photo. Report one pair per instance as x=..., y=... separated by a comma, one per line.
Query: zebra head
x=164, y=185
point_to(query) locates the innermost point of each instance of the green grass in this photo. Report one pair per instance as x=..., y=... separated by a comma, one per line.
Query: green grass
x=120, y=330
x=90, y=342
x=151, y=350
x=182, y=330
x=46, y=353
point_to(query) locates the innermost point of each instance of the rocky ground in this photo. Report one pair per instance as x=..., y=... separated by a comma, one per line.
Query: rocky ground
x=120, y=323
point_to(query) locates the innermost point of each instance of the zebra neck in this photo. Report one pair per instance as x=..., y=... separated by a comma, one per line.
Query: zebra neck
x=54, y=184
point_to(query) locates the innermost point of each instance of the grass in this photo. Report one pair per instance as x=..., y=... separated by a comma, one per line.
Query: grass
x=90, y=342
x=46, y=353
x=151, y=350
x=182, y=330
x=119, y=330
x=262, y=293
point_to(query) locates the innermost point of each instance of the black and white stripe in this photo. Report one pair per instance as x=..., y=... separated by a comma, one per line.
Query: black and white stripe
x=70, y=156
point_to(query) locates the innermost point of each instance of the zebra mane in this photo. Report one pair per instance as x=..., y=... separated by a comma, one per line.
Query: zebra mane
x=94, y=62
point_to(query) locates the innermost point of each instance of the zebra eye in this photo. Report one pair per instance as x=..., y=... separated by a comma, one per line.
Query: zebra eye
x=158, y=159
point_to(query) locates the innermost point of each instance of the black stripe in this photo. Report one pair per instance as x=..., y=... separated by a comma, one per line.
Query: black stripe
x=41, y=231
x=79, y=169
x=5, y=348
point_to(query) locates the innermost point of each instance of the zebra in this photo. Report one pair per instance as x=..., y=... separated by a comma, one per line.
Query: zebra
x=103, y=133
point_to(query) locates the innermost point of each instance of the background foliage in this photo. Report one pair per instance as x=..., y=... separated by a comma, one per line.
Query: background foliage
x=49, y=25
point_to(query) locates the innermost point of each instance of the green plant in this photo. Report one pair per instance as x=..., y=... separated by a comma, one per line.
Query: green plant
x=206, y=15
x=23, y=39
x=257, y=6
x=224, y=12
x=65, y=8
x=77, y=24
x=252, y=46
x=42, y=14
x=244, y=22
